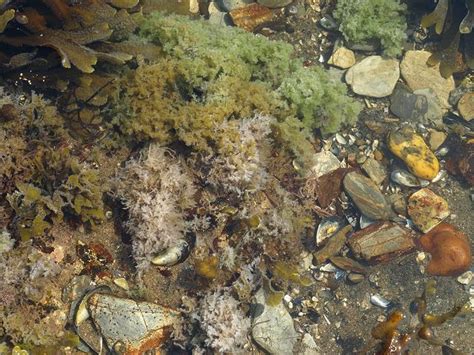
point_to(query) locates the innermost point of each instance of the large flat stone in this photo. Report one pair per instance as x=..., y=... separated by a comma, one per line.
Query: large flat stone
x=374, y=76
x=418, y=75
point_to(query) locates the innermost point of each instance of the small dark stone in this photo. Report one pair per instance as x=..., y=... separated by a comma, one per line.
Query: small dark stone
x=406, y=105
x=313, y=315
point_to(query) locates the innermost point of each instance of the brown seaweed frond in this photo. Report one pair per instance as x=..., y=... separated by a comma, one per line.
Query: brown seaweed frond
x=66, y=28
x=453, y=20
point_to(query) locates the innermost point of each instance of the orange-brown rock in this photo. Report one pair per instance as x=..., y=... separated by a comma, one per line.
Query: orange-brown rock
x=251, y=16
x=449, y=248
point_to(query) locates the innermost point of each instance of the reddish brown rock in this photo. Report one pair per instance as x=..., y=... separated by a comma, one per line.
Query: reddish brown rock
x=251, y=16
x=461, y=160
x=382, y=241
x=449, y=248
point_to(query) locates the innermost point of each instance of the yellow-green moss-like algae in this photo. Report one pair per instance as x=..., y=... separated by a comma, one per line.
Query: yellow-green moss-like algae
x=209, y=74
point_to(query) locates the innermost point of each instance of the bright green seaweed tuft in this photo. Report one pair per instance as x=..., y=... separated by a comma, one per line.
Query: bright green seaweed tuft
x=380, y=22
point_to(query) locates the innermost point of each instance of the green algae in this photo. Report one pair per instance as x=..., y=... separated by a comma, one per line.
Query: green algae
x=379, y=21
x=210, y=74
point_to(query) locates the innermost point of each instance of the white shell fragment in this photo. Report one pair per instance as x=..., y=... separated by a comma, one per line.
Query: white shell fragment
x=122, y=283
x=365, y=221
x=82, y=313
x=467, y=278
x=379, y=301
x=172, y=255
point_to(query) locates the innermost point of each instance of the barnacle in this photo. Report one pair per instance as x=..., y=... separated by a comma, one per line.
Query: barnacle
x=68, y=29
x=453, y=20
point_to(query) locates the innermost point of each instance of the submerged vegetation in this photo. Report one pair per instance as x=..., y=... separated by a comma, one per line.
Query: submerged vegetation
x=373, y=22
x=153, y=133
x=453, y=20
x=207, y=77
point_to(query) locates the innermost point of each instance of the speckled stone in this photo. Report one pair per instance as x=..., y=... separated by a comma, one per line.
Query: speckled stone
x=427, y=209
x=273, y=328
x=342, y=58
x=374, y=76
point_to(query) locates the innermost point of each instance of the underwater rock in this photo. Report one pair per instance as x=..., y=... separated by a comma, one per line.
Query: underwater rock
x=374, y=76
x=367, y=196
x=382, y=241
x=128, y=326
x=375, y=170
x=330, y=186
x=229, y=5
x=324, y=162
x=466, y=106
x=355, y=278
x=434, y=113
x=412, y=149
x=427, y=209
x=461, y=160
x=449, y=248
x=216, y=16
x=273, y=328
x=345, y=263
x=251, y=16
x=436, y=139
x=406, y=105
x=419, y=75
x=333, y=246
x=342, y=58
x=272, y=4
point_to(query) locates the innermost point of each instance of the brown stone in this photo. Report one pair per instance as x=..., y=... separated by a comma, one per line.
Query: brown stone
x=419, y=75
x=342, y=58
x=466, y=106
x=382, y=241
x=333, y=246
x=251, y=16
x=366, y=196
x=449, y=248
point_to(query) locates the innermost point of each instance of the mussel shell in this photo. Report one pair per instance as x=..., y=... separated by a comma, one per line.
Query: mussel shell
x=404, y=178
x=328, y=227
x=452, y=119
x=173, y=255
x=378, y=300
x=328, y=23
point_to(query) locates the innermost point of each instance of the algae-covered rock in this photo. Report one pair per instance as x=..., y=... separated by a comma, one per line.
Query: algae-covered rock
x=412, y=149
